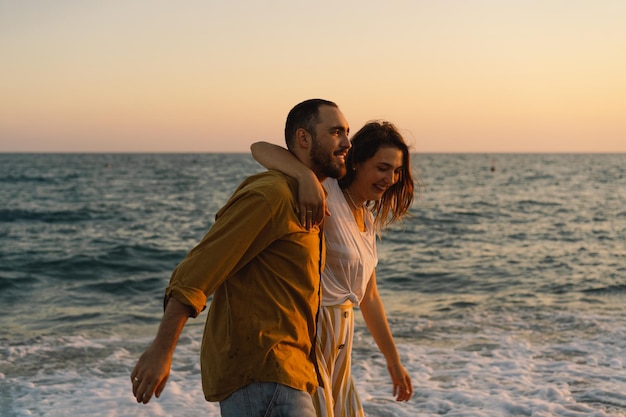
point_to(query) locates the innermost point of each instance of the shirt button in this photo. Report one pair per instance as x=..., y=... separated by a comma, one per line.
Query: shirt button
x=341, y=346
x=346, y=314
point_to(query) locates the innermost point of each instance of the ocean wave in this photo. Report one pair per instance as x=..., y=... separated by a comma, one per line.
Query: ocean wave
x=125, y=260
x=428, y=282
x=14, y=283
x=608, y=290
x=16, y=179
x=126, y=286
x=52, y=216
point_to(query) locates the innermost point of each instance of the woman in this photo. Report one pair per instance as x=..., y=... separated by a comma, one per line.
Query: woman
x=376, y=191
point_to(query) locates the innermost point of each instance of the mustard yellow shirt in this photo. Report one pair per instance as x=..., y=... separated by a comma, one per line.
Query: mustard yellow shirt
x=263, y=269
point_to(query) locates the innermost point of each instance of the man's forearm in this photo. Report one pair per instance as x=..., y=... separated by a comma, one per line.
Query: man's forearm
x=174, y=318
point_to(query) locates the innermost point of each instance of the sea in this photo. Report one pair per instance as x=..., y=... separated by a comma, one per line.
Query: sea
x=505, y=289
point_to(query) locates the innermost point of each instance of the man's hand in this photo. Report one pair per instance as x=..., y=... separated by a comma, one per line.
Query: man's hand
x=150, y=374
x=153, y=367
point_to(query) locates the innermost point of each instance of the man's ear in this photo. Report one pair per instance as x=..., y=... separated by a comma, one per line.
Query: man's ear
x=303, y=138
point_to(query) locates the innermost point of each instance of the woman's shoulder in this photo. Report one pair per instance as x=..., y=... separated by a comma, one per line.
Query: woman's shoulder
x=331, y=185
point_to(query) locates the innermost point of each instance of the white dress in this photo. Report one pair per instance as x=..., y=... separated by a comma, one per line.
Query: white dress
x=350, y=261
x=350, y=254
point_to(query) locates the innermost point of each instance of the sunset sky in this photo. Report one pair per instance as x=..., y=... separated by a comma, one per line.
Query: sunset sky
x=215, y=76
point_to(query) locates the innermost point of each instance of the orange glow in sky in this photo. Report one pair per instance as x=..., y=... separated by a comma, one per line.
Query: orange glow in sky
x=205, y=76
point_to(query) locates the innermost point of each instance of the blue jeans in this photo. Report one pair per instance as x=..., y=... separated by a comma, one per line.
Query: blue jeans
x=268, y=399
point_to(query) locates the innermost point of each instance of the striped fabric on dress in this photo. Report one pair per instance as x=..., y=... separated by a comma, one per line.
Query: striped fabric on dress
x=339, y=397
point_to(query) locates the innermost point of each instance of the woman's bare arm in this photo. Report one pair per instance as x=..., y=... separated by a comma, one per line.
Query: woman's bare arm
x=376, y=321
x=311, y=196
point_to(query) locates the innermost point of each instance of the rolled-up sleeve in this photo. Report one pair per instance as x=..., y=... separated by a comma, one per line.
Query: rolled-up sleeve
x=242, y=229
x=189, y=296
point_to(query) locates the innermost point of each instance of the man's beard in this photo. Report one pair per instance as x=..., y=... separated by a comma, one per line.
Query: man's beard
x=324, y=162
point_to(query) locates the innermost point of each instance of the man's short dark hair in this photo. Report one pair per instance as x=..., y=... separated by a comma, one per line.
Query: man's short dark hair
x=304, y=115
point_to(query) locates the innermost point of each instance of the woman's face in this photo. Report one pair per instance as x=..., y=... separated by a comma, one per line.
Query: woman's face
x=375, y=175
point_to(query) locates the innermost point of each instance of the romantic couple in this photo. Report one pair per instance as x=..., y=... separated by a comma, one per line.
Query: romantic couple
x=289, y=256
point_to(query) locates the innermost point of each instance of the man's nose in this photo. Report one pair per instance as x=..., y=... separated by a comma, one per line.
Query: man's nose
x=345, y=142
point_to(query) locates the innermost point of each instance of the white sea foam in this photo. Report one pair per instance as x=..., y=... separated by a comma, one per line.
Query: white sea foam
x=453, y=375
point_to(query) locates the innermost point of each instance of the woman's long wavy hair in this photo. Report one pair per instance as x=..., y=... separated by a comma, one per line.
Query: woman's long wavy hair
x=397, y=199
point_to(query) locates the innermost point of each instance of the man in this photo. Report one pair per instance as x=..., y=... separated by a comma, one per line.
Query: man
x=263, y=268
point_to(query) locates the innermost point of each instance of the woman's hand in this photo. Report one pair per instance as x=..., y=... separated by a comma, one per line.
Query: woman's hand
x=311, y=195
x=312, y=200
x=402, y=387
